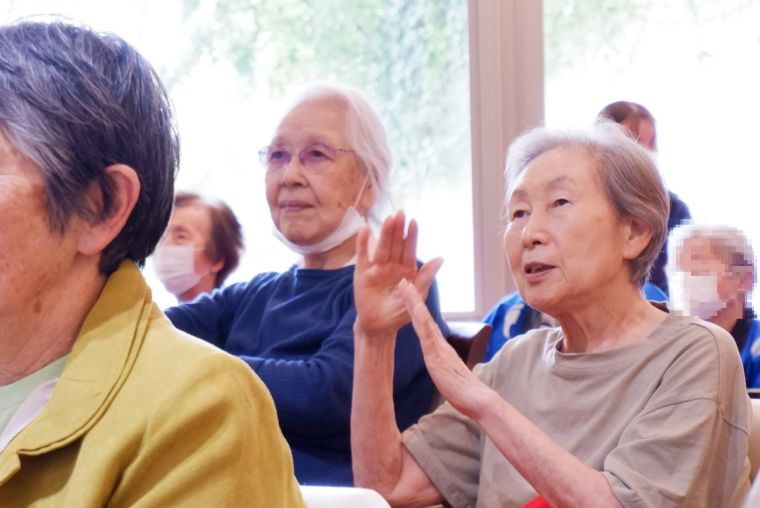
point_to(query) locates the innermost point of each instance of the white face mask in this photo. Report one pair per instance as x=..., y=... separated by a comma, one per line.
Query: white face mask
x=175, y=267
x=350, y=225
x=696, y=295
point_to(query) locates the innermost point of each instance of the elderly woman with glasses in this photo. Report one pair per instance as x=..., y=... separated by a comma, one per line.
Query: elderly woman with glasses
x=623, y=404
x=326, y=172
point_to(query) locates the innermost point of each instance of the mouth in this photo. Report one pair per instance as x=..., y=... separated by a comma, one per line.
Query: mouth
x=536, y=268
x=293, y=205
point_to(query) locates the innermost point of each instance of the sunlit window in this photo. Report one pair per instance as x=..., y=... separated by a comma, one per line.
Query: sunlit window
x=227, y=64
x=694, y=65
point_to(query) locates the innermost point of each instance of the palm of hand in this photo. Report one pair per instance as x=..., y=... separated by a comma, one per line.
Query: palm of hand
x=378, y=303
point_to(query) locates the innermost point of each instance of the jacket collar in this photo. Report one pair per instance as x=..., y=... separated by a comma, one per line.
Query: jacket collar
x=98, y=365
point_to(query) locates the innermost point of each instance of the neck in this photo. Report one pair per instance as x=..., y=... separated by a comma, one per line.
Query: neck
x=336, y=257
x=206, y=285
x=609, y=322
x=727, y=317
x=46, y=328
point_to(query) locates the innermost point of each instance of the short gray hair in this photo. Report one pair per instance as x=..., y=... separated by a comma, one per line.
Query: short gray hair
x=628, y=174
x=731, y=245
x=365, y=132
x=74, y=102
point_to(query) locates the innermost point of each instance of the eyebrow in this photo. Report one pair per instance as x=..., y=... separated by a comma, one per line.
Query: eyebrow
x=554, y=183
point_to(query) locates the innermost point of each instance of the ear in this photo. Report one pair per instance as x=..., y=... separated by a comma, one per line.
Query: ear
x=746, y=280
x=215, y=267
x=367, y=197
x=637, y=236
x=125, y=184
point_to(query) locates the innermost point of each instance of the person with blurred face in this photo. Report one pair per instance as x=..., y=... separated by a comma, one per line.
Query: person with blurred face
x=201, y=246
x=326, y=173
x=712, y=273
x=102, y=401
x=622, y=404
x=639, y=124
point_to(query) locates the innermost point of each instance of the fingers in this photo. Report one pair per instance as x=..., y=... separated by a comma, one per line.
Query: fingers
x=426, y=276
x=410, y=246
x=424, y=324
x=362, y=248
x=397, y=245
x=389, y=234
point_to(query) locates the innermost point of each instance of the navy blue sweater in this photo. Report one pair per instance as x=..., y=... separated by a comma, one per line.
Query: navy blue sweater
x=295, y=329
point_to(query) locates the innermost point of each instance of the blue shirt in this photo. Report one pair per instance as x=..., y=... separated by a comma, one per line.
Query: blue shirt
x=295, y=330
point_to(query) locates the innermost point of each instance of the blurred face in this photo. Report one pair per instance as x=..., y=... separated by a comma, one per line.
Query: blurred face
x=642, y=130
x=34, y=261
x=697, y=257
x=308, y=201
x=564, y=242
x=191, y=225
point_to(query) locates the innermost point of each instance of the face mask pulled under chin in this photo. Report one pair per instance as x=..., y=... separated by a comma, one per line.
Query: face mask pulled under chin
x=349, y=226
x=696, y=295
x=175, y=267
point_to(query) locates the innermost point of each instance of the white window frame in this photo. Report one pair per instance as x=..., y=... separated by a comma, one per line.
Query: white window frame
x=506, y=98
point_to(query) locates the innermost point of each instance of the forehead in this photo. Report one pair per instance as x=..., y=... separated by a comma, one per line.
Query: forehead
x=559, y=168
x=699, y=249
x=194, y=218
x=315, y=120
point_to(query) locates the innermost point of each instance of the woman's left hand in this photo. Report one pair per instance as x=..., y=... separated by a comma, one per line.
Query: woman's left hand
x=454, y=380
x=379, y=309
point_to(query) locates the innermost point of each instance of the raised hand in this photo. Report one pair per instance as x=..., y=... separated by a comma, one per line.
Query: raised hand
x=379, y=307
x=454, y=380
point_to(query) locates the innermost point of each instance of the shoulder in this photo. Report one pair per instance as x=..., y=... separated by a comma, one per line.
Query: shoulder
x=678, y=209
x=753, y=337
x=699, y=360
x=170, y=359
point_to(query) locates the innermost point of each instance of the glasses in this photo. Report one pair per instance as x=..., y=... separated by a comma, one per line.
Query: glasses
x=316, y=157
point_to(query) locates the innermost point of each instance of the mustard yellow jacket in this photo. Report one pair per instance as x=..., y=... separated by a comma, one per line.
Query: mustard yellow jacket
x=146, y=416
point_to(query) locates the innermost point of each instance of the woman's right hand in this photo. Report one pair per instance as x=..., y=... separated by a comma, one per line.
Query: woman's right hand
x=380, y=310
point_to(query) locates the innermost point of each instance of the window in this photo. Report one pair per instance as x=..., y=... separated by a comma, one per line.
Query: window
x=693, y=64
x=227, y=63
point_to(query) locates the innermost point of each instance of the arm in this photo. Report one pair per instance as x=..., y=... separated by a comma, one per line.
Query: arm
x=214, y=441
x=313, y=394
x=557, y=475
x=379, y=459
x=209, y=316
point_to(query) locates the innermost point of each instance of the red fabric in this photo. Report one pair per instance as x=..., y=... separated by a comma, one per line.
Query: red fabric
x=539, y=502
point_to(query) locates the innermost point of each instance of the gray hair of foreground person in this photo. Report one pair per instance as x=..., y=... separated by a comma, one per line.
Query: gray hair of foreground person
x=365, y=132
x=75, y=113
x=628, y=174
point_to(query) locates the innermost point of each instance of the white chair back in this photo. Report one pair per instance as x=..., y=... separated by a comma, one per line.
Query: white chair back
x=341, y=497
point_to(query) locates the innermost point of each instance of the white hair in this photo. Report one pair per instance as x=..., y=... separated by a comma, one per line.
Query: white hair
x=366, y=136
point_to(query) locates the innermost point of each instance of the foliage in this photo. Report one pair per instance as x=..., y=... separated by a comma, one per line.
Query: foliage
x=410, y=56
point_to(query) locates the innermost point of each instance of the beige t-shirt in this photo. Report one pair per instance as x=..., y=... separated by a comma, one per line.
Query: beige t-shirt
x=666, y=420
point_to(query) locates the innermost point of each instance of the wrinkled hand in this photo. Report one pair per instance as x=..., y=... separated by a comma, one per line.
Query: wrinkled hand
x=380, y=310
x=454, y=380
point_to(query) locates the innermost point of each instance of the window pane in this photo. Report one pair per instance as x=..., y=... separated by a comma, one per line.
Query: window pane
x=693, y=64
x=228, y=62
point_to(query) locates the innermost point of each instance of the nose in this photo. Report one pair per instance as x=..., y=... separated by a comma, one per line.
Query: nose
x=293, y=172
x=534, y=230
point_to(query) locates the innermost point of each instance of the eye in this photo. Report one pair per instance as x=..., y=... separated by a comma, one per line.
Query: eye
x=517, y=214
x=560, y=202
x=277, y=154
x=317, y=153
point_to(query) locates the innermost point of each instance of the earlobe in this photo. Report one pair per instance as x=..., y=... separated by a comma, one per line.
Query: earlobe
x=99, y=232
